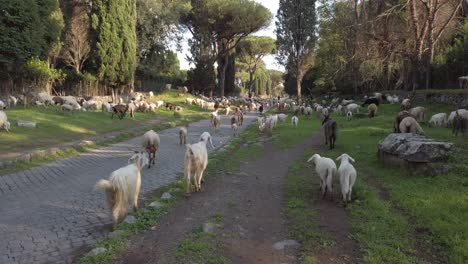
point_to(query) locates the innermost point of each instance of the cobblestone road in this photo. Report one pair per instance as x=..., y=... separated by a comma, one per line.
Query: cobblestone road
x=47, y=213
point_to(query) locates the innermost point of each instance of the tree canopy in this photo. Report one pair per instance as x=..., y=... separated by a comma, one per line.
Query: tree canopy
x=296, y=37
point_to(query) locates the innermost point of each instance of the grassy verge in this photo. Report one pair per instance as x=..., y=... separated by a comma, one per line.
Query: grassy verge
x=225, y=160
x=170, y=121
x=438, y=204
x=301, y=194
x=57, y=127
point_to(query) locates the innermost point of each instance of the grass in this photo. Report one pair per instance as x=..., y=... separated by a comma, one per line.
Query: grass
x=385, y=227
x=190, y=114
x=56, y=127
x=199, y=243
x=437, y=204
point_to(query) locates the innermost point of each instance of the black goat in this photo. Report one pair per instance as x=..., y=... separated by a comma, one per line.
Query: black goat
x=371, y=101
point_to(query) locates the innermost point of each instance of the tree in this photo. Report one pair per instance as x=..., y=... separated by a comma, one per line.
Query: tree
x=226, y=22
x=430, y=19
x=158, y=25
x=77, y=49
x=251, y=51
x=295, y=34
x=30, y=28
x=114, y=27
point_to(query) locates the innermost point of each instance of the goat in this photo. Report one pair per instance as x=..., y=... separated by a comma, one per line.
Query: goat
x=123, y=187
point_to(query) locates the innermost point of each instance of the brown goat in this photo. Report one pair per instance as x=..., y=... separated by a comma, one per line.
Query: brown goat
x=120, y=111
x=401, y=115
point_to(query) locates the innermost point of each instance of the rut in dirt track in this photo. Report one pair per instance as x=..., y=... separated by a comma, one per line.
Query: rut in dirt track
x=251, y=202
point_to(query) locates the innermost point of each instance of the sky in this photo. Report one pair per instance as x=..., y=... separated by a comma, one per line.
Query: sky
x=270, y=60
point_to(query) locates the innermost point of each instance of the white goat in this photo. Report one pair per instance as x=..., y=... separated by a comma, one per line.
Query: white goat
x=354, y=108
x=123, y=187
x=205, y=137
x=439, y=119
x=308, y=111
x=347, y=174
x=349, y=114
x=326, y=169
x=282, y=117
x=196, y=160
x=418, y=112
x=294, y=121
x=4, y=121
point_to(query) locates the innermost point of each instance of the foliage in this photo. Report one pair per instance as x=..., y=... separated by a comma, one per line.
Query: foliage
x=219, y=25
x=296, y=37
x=114, y=26
x=30, y=28
x=40, y=72
x=251, y=50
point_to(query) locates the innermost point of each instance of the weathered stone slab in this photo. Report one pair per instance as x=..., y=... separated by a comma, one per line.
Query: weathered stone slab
x=22, y=123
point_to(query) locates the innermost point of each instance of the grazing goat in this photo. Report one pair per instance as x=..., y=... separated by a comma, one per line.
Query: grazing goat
x=120, y=111
x=347, y=174
x=182, y=136
x=294, y=121
x=418, y=112
x=410, y=125
x=372, y=110
x=349, y=114
x=4, y=121
x=196, y=160
x=370, y=101
x=401, y=115
x=151, y=143
x=123, y=187
x=325, y=169
x=354, y=108
x=439, y=119
x=406, y=104
x=331, y=129
x=206, y=137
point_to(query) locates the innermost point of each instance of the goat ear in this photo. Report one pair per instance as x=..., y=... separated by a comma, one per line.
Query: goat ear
x=340, y=157
x=351, y=159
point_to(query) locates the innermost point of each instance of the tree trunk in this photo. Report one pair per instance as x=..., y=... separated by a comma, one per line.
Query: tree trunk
x=222, y=77
x=299, y=89
x=250, y=83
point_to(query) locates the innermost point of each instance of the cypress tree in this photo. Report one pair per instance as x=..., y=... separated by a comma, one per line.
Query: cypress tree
x=114, y=26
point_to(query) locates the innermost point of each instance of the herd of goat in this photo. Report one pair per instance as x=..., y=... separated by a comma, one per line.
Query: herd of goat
x=123, y=186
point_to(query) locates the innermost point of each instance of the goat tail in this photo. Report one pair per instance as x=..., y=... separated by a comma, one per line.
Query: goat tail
x=103, y=184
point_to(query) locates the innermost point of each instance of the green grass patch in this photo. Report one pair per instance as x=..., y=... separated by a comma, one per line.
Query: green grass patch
x=437, y=204
x=199, y=248
x=285, y=135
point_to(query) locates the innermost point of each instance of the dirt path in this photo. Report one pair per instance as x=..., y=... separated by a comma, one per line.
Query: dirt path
x=251, y=203
x=333, y=218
